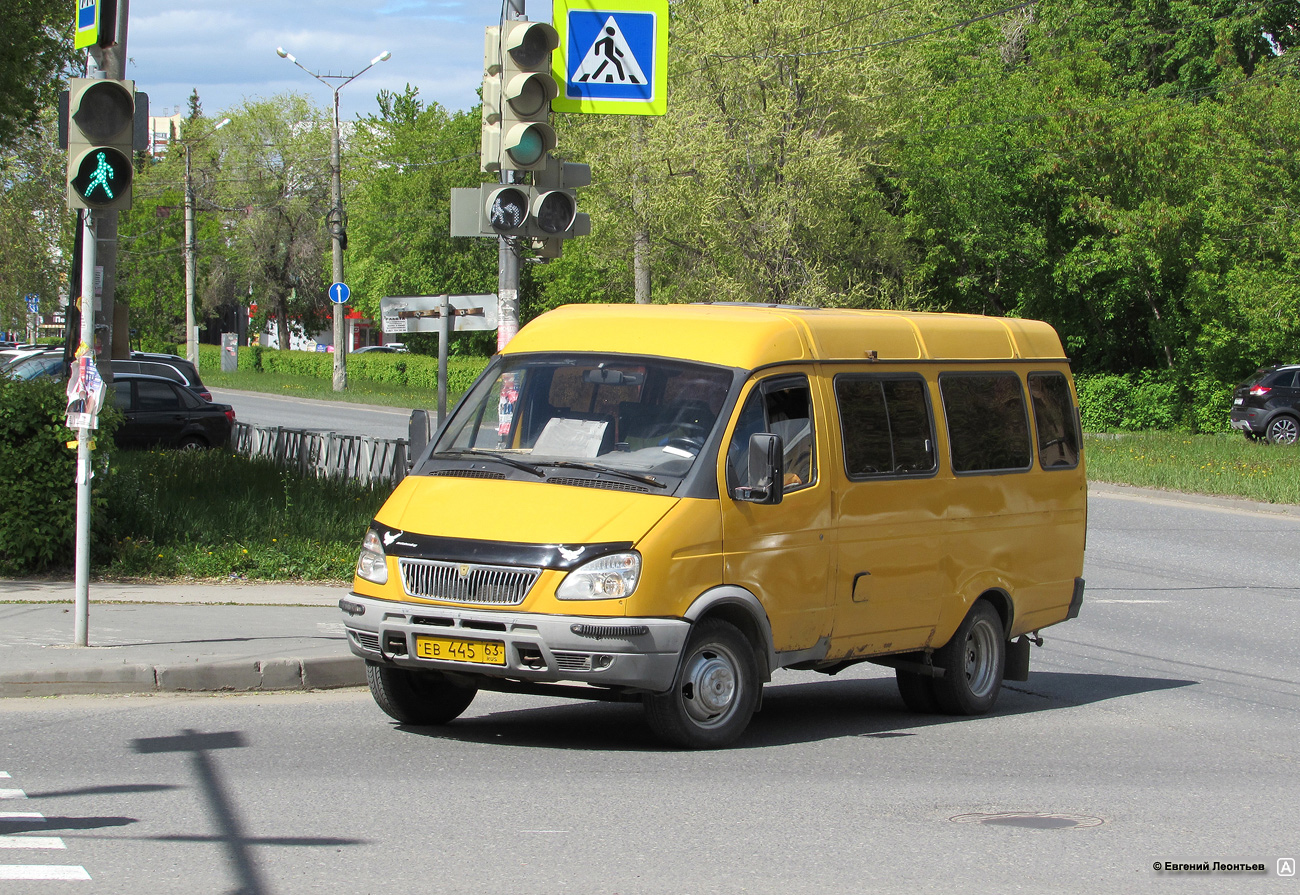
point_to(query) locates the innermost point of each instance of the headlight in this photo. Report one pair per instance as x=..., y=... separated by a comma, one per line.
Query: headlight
x=608, y=578
x=371, y=564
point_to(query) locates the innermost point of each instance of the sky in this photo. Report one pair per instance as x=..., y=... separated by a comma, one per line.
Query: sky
x=226, y=49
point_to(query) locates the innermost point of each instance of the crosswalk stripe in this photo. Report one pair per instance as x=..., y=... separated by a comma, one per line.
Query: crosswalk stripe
x=22, y=815
x=4, y=775
x=12, y=794
x=42, y=871
x=31, y=842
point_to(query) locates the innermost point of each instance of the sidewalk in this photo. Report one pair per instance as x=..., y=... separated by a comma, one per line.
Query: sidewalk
x=147, y=638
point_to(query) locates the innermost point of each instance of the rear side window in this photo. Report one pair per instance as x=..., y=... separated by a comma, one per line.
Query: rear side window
x=886, y=425
x=988, y=428
x=153, y=395
x=1055, y=421
x=1281, y=379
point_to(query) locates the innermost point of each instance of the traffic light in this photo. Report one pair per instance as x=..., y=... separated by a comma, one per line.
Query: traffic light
x=101, y=134
x=518, y=87
x=505, y=209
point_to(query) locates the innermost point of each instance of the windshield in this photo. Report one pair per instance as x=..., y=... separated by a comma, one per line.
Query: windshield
x=640, y=415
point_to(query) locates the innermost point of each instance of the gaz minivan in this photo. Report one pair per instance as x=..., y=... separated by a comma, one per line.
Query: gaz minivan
x=668, y=503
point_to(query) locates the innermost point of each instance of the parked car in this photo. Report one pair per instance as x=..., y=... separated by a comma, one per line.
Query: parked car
x=36, y=364
x=162, y=412
x=1267, y=405
x=390, y=348
x=169, y=366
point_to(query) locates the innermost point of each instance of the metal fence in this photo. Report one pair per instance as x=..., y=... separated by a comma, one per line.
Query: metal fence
x=358, y=457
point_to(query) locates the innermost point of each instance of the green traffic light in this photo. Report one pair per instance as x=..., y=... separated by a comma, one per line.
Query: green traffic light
x=103, y=174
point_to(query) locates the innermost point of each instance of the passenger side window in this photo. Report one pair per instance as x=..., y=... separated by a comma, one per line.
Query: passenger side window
x=988, y=427
x=781, y=407
x=1055, y=420
x=886, y=425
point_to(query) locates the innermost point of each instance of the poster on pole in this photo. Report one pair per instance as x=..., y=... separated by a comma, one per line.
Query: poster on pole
x=421, y=313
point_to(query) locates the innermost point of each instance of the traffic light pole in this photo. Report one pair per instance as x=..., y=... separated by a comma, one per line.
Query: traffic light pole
x=508, y=251
x=81, y=624
x=336, y=243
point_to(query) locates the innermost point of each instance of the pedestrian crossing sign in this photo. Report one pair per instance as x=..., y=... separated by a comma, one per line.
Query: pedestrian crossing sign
x=613, y=56
x=86, y=25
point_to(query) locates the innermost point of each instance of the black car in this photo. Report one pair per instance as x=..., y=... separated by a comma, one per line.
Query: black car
x=160, y=412
x=1267, y=405
x=189, y=374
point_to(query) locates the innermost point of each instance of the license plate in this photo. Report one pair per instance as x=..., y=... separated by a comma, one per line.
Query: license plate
x=476, y=652
x=1237, y=400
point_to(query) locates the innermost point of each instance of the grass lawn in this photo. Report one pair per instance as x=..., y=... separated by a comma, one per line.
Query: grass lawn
x=358, y=391
x=1224, y=465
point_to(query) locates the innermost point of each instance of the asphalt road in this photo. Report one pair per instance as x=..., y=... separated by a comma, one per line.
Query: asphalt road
x=1160, y=726
x=321, y=416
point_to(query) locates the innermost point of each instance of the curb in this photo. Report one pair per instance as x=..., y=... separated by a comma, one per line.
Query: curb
x=324, y=673
x=1205, y=501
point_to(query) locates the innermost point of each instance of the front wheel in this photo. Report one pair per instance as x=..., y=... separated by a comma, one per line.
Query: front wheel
x=417, y=697
x=972, y=663
x=1282, y=430
x=715, y=692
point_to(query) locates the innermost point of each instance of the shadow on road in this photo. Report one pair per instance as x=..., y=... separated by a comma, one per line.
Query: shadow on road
x=792, y=713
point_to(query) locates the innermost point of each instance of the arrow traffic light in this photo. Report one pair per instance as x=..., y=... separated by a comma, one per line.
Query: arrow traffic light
x=517, y=91
x=101, y=133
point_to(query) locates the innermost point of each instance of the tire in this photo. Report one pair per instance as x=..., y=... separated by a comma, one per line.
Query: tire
x=973, y=661
x=715, y=693
x=917, y=691
x=417, y=697
x=192, y=443
x=1282, y=430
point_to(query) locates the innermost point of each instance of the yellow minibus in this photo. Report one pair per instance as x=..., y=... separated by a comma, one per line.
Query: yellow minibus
x=668, y=503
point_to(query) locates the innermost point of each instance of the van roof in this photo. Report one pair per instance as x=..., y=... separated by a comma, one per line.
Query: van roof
x=751, y=336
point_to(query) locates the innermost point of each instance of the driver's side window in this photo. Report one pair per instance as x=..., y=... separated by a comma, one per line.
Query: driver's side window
x=780, y=406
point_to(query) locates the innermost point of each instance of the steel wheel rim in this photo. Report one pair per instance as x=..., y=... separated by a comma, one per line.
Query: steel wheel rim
x=980, y=650
x=1283, y=431
x=710, y=686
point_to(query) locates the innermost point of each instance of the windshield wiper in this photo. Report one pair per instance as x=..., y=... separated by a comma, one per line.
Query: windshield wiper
x=487, y=455
x=592, y=467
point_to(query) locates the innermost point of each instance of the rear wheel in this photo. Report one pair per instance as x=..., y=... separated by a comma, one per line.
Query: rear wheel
x=972, y=662
x=193, y=443
x=417, y=697
x=715, y=693
x=1282, y=430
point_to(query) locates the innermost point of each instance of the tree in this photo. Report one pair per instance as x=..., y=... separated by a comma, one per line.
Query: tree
x=273, y=188
x=401, y=166
x=37, y=228
x=35, y=51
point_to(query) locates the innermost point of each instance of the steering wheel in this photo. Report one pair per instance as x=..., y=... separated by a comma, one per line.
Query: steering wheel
x=686, y=444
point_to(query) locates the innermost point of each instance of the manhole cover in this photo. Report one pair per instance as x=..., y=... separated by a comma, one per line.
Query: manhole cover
x=1031, y=820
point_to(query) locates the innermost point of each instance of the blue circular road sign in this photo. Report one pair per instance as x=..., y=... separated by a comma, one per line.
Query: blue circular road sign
x=339, y=293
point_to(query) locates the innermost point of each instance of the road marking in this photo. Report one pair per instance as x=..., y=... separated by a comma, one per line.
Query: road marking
x=22, y=815
x=42, y=871
x=12, y=794
x=4, y=774
x=31, y=842
x=1130, y=601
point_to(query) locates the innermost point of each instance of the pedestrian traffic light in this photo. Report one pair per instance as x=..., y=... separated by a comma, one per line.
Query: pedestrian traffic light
x=518, y=87
x=101, y=133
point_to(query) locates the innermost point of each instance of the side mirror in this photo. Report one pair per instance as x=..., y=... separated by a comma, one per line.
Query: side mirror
x=417, y=436
x=766, y=477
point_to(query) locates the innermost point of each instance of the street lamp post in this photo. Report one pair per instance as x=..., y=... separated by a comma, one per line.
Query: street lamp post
x=335, y=220
x=191, y=329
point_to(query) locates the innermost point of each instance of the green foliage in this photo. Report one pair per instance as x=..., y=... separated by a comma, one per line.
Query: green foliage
x=1204, y=464
x=212, y=514
x=37, y=49
x=37, y=476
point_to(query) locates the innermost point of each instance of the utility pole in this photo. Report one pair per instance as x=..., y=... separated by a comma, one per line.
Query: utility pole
x=191, y=325
x=508, y=250
x=334, y=220
x=81, y=623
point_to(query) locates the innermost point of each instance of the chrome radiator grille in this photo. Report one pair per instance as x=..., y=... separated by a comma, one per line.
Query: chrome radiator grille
x=466, y=582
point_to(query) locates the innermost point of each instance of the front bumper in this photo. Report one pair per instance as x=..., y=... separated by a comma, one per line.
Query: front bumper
x=633, y=653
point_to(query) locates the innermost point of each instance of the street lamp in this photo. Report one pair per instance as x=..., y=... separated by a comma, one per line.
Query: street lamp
x=335, y=220
x=191, y=328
